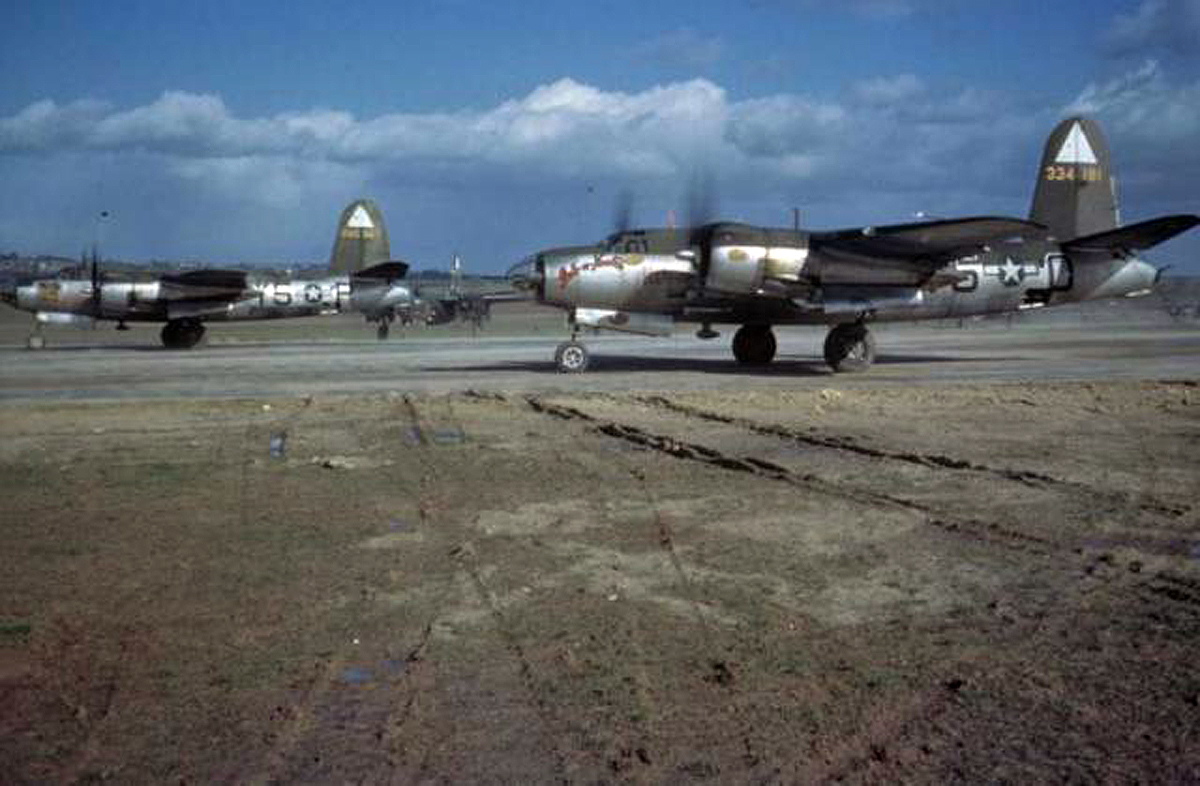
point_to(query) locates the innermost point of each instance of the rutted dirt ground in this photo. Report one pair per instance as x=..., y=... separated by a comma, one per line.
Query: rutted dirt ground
x=942, y=583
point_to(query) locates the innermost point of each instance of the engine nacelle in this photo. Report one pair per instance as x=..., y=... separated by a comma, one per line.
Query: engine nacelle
x=748, y=269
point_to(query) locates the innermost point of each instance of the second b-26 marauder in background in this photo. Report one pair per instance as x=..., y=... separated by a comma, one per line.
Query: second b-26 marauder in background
x=1071, y=248
x=362, y=279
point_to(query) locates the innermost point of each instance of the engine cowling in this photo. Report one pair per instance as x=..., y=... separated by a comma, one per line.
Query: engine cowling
x=746, y=270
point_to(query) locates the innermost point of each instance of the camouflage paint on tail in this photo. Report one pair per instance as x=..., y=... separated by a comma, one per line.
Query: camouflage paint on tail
x=362, y=239
x=1075, y=193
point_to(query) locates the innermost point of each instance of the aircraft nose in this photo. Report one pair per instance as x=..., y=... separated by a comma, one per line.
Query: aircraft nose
x=526, y=276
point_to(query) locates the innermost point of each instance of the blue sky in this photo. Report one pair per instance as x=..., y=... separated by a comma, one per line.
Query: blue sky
x=234, y=132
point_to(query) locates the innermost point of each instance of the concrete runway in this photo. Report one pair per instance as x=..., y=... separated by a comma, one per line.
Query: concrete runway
x=984, y=352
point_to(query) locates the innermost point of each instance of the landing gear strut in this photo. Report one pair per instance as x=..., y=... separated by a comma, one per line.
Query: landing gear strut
x=182, y=333
x=382, y=331
x=849, y=347
x=754, y=345
x=571, y=357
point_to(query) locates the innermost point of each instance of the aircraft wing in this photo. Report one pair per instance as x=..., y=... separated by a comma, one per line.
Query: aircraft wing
x=920, y=248
x=205, y=285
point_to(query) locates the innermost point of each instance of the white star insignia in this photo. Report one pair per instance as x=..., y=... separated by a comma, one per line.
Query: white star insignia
x=1011, y=272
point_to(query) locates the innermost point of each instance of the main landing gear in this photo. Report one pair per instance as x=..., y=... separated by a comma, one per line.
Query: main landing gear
x=754, y=345
x=849, y=347
x=382, y=331
x=182, y=333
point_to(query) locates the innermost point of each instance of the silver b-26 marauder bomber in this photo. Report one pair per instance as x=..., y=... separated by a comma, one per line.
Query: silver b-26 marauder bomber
x=1071, y=248
x=363, y=280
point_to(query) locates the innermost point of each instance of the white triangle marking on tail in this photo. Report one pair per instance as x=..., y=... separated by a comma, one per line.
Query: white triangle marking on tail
x=359, y=219
x=1075, y=148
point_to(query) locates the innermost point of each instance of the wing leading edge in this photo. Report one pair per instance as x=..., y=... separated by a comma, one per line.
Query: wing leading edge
x=926, y=245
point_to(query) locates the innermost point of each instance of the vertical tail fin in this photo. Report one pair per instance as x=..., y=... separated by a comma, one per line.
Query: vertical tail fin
x=361, y=240
x=1076, y=191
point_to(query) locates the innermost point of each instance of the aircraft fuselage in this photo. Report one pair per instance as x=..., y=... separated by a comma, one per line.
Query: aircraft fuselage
x=150, y=301
x=798, y=288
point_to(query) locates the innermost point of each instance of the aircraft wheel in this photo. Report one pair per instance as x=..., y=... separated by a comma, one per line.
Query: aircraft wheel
x=182, y=334
x=171, y=335
x=37, y=341
x=193, y=335
x=754, y=345
x=382, y=330
x=571, y=357
x=849, y=348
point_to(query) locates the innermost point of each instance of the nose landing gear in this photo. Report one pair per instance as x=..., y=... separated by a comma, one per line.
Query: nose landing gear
x=571, y=357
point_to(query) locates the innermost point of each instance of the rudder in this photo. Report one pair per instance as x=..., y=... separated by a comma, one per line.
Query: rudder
x=1076, y=192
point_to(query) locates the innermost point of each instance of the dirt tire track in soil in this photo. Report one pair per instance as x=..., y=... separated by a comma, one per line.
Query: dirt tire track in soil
x=933, y=461
x=988, y=533
x=466, y=556
x=420, y=674
x=315, y=705
x=634, y=750
x=1180, y=589
x=985, y=530
x=1073, y=556
x=718, y=673
x=301, y=713
x=847, y=444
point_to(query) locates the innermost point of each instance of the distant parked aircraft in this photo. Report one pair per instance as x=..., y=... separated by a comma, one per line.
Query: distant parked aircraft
x=365, y=281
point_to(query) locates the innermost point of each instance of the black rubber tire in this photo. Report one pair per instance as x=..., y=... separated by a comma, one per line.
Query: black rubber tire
x=849, y=348
x=571, y=357
x=754, y=345
x=194, y=336
x=182, y=334
x=381, y=332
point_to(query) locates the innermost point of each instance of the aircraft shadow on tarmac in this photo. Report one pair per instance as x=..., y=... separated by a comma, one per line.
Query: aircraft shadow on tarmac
x=784, y=366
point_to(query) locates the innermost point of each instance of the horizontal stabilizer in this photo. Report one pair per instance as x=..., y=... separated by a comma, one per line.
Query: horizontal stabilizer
x=388, y=271
x=1135, y=237
x=934, y=242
